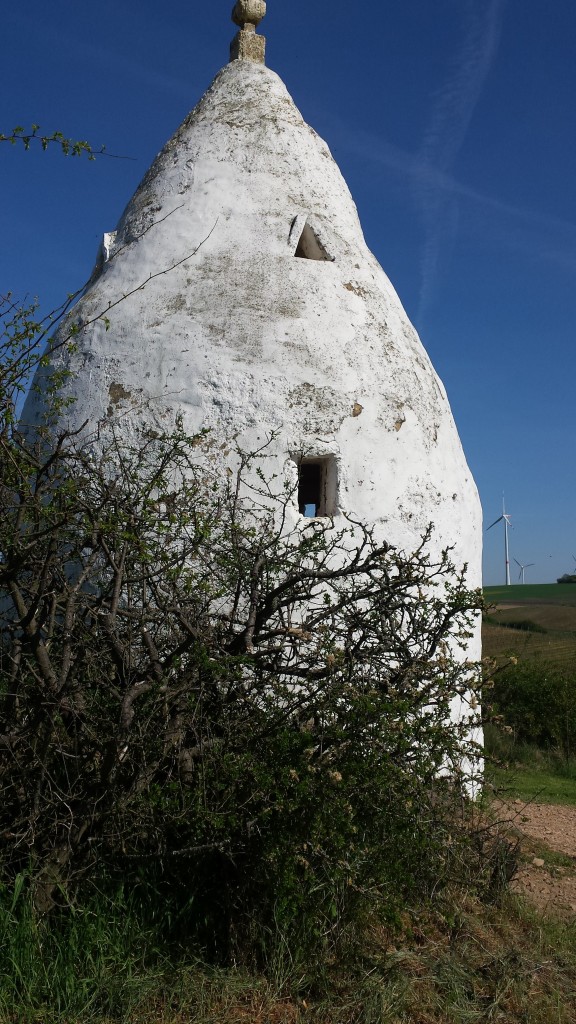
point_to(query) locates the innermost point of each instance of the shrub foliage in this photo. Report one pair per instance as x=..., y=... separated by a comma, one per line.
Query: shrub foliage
x=251, y=722
x=537, y=701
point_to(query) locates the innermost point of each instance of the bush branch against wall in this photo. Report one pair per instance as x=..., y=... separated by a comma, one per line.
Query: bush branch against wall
x=257, y=722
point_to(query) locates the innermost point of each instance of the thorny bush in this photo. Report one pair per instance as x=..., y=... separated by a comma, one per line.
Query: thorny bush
x=250, y=722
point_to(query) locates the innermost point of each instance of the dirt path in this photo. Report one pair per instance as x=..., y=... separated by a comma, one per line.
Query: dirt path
x=547, y=873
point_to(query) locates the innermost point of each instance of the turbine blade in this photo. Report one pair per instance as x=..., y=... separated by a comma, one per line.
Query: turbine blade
x=494, y=523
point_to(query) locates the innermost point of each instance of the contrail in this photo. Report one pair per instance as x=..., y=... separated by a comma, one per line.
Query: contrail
x=453, y=109
x=519, y=228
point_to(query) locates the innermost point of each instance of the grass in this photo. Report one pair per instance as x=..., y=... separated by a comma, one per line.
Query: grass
x=523, y=771
x=463, y=961
x=89, y=967
x=552, y=610
x=486, y=964
x=528, y=593
x=538, y=785
x=550, y=617
x=501, y=643
x=473, y=962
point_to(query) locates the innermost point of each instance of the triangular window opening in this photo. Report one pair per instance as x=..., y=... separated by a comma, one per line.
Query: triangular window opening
x=310, y=247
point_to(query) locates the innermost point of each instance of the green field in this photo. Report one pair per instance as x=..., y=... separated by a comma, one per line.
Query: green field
x=533, y=593
x=521, y=782
x=550, y=608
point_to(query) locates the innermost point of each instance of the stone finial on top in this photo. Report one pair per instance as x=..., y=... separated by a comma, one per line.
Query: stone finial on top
x=247, y=45
x=248, y=12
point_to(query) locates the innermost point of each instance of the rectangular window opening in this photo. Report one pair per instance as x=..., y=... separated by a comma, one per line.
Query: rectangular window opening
x=317, y=487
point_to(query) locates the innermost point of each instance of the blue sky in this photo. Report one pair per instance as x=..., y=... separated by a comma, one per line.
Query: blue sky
x=454, y=124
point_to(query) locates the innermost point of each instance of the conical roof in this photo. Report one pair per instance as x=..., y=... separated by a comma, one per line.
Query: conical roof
x=242, y=295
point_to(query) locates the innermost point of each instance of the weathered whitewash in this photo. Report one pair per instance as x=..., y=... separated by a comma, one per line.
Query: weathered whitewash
x=265, y=314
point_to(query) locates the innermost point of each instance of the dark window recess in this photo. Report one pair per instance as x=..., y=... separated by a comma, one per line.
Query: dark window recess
x=309, y=488
x=317, y=487
x=310, y=247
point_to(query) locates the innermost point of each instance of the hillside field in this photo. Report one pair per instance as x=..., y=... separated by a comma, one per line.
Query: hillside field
x=546, y=611
x=532, y=593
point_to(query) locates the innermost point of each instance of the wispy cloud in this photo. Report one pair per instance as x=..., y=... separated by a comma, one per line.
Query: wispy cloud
x=504, y=224
x=452, y=112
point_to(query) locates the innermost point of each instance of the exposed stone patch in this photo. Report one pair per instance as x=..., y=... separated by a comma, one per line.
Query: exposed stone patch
x=317, y=409
x=357, y=289
x=175, y=304
x=118, y=393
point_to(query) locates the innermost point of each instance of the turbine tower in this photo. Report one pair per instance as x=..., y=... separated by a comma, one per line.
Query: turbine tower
x=505, y=518
x=522, y=569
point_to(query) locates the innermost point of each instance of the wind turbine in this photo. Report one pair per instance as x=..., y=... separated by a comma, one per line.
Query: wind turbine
x=522, y=568
x=506, y=519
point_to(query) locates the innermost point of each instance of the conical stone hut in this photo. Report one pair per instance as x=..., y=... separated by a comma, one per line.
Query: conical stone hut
x=241, y=296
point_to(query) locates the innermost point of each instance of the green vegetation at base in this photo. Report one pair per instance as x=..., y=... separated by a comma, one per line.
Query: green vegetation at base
x=530, y=736
x=467, y=961
x=88, y=963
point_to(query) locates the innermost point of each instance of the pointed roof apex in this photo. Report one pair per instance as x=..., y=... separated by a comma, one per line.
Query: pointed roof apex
x=247, y=45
